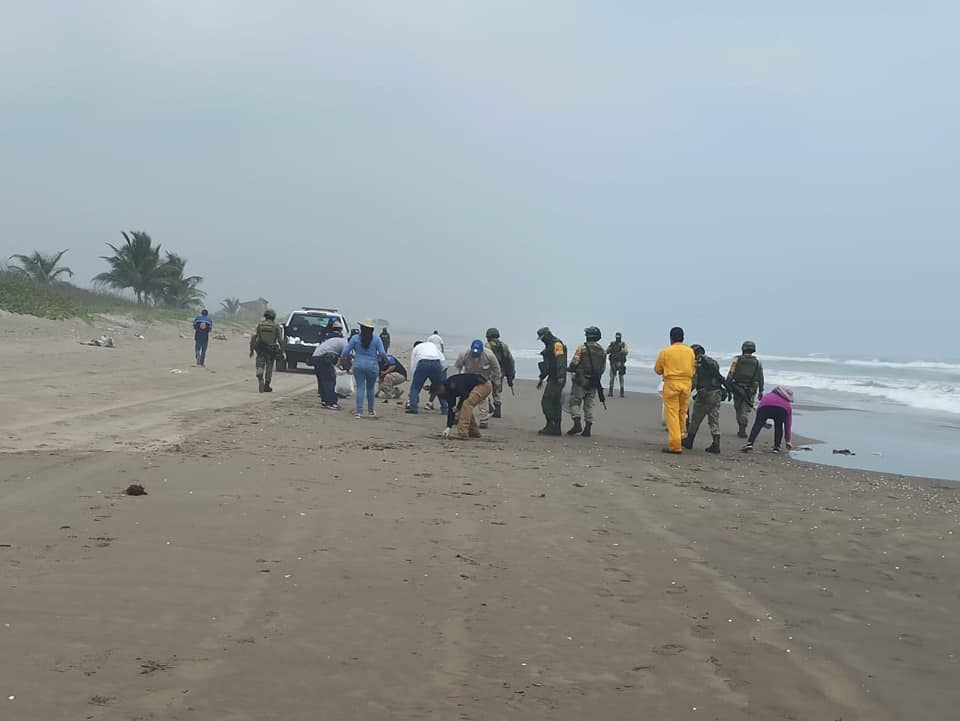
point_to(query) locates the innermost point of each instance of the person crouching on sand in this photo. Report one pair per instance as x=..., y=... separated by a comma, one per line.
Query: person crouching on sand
x=464, y=392
x=776, y=406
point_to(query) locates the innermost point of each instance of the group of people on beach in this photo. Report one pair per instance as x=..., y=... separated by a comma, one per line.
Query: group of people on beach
x=469, y=390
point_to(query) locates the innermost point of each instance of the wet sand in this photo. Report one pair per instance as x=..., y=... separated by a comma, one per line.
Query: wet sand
x=293, y=563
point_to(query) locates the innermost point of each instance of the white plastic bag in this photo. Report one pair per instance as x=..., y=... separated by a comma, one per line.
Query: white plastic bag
x=346, y=386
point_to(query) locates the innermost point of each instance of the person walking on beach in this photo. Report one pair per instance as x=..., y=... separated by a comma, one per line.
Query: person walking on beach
x=392, y=376
x=746, y=375
x=202, y=325
x=553, y=370
x=267, y=342
x=482, y=361
x=711, y=390
x=385, y=339
x=436, y=340
x=507, y=366
x=776, y=406
x=677, y=365
x=367, y=351
x=463, y=393
x=587, y=366
x=426, y=363
x=325, y=359
x=617, y=352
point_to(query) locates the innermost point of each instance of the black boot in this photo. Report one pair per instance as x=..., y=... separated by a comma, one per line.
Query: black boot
x=547, y=427
x=496, y=411
x=715, y=446
x=259, y=384
x=267, y=388
x=586, y=429
x=577, y=428
x=552, y=429
x=688, y=441
x=742, y=433
x=621, y=391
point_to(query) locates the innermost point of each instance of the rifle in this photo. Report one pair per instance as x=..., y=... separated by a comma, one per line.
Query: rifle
x=596, y=379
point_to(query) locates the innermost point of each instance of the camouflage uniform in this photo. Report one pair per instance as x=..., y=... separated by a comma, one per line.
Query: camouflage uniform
x=553, y=370
x=617, y=351
x=708, y=387
x=267, y=342
x=746, y=374
x=507, y=366
x=587, y=366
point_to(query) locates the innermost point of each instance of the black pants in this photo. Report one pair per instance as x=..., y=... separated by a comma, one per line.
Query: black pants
x=326, y=381
x=769, y=413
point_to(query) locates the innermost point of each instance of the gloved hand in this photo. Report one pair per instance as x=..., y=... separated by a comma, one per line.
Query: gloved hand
x=251, y=354
x=540, y=384
x=725, y=395
x=510, y=382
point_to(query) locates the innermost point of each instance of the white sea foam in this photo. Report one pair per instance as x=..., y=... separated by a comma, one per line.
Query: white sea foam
x=926, y=385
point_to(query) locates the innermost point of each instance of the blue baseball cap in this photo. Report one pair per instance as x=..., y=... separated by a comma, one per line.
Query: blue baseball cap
x=476, y=348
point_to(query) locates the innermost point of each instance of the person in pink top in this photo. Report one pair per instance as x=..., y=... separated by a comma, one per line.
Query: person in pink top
x=776, y=406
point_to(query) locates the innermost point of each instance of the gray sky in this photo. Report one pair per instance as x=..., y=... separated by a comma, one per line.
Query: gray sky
x=783, y=171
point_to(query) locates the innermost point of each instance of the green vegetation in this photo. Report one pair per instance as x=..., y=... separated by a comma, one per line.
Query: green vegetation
x=33, y=285
x=40, y=267
x=19, y=294
x=230, y=307
x=136, y=266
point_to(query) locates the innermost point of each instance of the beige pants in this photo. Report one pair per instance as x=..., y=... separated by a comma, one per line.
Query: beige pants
x=467, y=426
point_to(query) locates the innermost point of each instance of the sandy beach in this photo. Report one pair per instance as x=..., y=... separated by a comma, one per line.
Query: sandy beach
x=292, y=563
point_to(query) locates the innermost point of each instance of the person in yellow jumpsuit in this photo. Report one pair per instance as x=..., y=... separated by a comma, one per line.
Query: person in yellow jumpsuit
x=677, y=365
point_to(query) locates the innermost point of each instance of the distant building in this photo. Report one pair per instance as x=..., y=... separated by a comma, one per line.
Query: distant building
x=253, y=308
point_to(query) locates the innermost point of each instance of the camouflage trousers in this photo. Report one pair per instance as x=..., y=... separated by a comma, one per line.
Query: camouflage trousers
x=616, y=369
x=265, y=363
x=707, y=403
x=743, y=408
x=552, y=401
x=581, y=396
x=390, y=385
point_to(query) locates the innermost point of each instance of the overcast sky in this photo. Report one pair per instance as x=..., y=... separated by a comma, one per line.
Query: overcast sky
x=781, y=171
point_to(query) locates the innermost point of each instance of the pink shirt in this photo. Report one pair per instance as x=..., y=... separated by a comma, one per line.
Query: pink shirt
x=775, y=400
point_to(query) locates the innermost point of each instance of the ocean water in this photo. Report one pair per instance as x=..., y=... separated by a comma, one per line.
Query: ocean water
x=898, y=416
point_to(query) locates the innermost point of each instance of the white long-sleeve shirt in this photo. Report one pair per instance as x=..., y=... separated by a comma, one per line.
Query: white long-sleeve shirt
x=425, y=351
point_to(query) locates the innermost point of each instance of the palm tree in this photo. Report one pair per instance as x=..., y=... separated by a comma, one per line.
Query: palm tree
x=230, y=307
x=134, y=265
x=40, y=267
x=176, y=289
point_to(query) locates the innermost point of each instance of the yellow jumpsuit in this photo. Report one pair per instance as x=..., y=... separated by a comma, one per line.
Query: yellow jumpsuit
x=677, y=365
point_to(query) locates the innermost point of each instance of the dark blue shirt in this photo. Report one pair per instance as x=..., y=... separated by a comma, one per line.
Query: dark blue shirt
x=202, y=333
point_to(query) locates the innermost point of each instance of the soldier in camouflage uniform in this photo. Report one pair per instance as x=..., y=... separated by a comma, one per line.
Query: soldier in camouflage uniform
x=553, y=370
x=267, y=342
x=746, y=375
x=617, y=351
x=587, y=366
x=507, y=366
x=711, y=390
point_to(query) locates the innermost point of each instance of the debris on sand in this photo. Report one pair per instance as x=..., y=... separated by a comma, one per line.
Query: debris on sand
x=104, y=341
x=220, y=336
x=177, y=371
x=135, y=489
x=843, y=452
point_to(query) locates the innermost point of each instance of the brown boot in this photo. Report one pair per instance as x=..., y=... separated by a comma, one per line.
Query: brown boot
x=577, y=428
